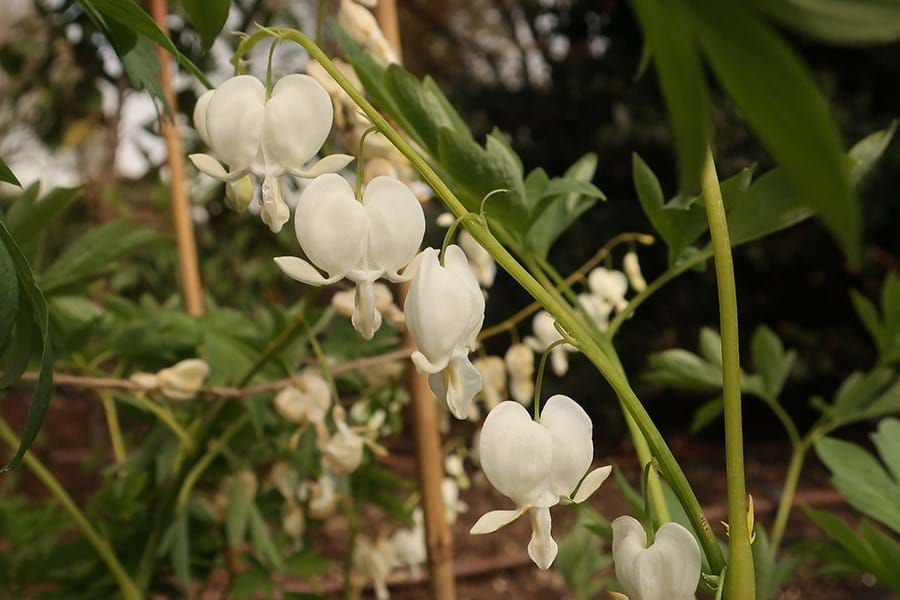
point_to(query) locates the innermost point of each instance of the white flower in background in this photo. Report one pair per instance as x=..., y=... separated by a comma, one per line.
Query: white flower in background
x=293, y=521
x=341, y=102
x=632, y=269
x=183, y=380
x=610, y=285
x=343, y=451
x=408, y=544
x=359, y=241
x=377, y=167
x=537, y=465
x=493, y=377
x=344, y=303
x=669, y=569
x=481, y=262
x=453, y=466
x=267, y=138
x=520, y=364
x=453, y=505
x=545, y=334
x=376, y=561
x=284, y=478
x=597, y=309
x=307, y=400
x=444, y=313
x=322, y=496
x=362, y=27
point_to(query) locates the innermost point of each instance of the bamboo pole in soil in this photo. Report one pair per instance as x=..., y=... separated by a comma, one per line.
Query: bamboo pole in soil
x=429, y=456
x=188, y=268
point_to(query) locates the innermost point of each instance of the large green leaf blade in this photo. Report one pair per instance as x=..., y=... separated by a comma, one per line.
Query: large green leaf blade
x=782, y=105
x=9, y=296
x=841, y=22
x=208, y=17
x=6, y=174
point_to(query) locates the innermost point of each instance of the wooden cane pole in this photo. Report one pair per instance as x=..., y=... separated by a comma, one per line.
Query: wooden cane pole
x=429, y=456
x=191, y=288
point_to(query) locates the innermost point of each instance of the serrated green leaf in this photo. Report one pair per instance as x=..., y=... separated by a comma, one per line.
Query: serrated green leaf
x=783, y=107
x=887, y=442
x=423, y=111
x=208, y=17
x=683, y=370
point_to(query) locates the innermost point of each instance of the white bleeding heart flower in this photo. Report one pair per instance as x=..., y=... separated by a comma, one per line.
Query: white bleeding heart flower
x=597, y=308
x=669, y=569
x=519, y=360
x=265, y=137
x=493, y=377
x=359, y=241
x=537, y=465
x=183, y=380
x=632, y=269
x=307, y=400
x=444, y=313
x=376, y=561
x=342, y=452
x=481, y=262
x=545, y=335
x=342, y=103
x=409, y=544
x=610, y=285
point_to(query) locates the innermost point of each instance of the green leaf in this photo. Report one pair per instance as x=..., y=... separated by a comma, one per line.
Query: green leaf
x=683, y=370
x=371, y=74
x=667, y=31
x=770, y=204
x=867, y=151
x=839, y=22
x=887, y=442
x=6, y=174
x=783, y=107
x=772, y=572
x=862, y=480
x=261, y=538
x=9, y=296
x=29, y=216
x=580, y=560
x=32, y=310
x=771, y=361
x=424, y=113
x=181, y=548
x=707, y=413
x=711, y=345
x=208, y=17
x=237, y=513
x=307, y=564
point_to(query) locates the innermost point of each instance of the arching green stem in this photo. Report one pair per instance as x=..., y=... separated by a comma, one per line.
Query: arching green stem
x=360, y=159
x=539, y=381
x=562, y=313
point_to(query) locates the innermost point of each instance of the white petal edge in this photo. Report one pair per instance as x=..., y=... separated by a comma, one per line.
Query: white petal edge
x=591, y=482
x=330, y=164
x=494, y=520
x=302, y=271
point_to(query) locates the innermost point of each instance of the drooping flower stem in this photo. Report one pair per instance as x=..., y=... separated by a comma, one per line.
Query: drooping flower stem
x=360, y=160
x=740, y=583
x=559, y=310
x=101, y=545
x=539, y=381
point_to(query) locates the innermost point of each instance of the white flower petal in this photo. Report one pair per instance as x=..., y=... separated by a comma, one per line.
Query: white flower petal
x=298, y=119
x=234, y=121
x=208, y=165
x=302, y=271
x=494, y=520
x=274, y=212
x=573, y=446
x=396, y=223
x=516, y=455
x=330, y=164
x=457, y=384
x=590, y=483
x=542, y=548
x=456, y=262
x=366, y=317
x=559, y=361
x=200, y=115
x=331, y=225
x=610, y=285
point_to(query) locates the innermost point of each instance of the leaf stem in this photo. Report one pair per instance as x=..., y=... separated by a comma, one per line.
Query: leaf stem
x=786, y=503
x=740, y=583
x=100, y=544
x=539, y=381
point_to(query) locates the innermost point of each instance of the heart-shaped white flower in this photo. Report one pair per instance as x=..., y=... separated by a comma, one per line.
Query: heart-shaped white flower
x=610, y=285
x=519, y=360
x=669, y=569
x=537, y=465
x=359, y=241
x=482, y=263
x=545, y=334
x=444, y=313
x=597, y=308
x=265, y=137
x=493, y=377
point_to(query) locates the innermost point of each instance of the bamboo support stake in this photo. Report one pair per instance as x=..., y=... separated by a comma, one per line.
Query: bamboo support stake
x=181, y=210
x=429, y=456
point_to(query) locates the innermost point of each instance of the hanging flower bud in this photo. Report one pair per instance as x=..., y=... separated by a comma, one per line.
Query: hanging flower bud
x=267, y=138
x=293, y=521
x=520, y=364
x=359, y=241
x=183, y=380
x=493, y=377
x=408, y=544
x=633, y=270
x=669, y=569
x=239, y=194
x=597, y=309
x=362, y=27
x=536, y=465
x=343, y=452
x=482, y=263
x=307, y=400
x=376, y=561
x=444, y=313
x=545, y=334
x=609, y=285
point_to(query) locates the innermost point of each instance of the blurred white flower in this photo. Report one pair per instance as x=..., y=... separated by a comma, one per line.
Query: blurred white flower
x=520, y=364
x=480, y=261
x=444, y=313
x=344, y=303
x=669, y=569
x=454, y=467
x=493, y=377
x=610, y=285
x=545, y=335
x=632, y=269
x=183, y=380
x=359, y=241
x=341, y=102
x=453, y=505
x=362, y=27
x=284, y=478
x=537, y=465
x=322, y=496
x=342, y=453
x=409, y=544
x=293, y=521
x=376, y=561
x=597, y=309
x=306, y=400
x=265, y=137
